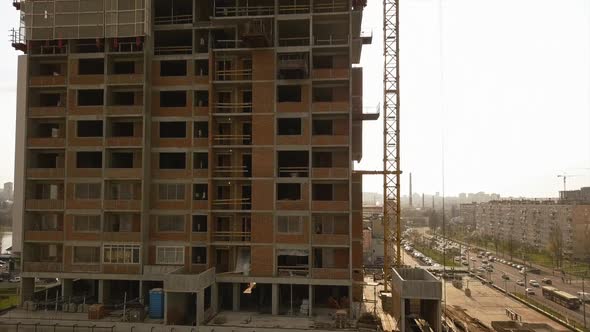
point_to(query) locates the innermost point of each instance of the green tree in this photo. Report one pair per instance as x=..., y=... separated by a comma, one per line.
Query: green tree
x=555, y=246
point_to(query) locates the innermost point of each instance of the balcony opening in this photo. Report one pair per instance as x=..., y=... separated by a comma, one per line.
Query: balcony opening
x=199, y=255
x=45, y=191
x=89, y=159
x=172, y=68
x=172, y=98
x=322, y=159
x=330, y=32
x=50, y=99
x=89, y=128
x=330, y=258
x=123, y=98
x=171, y=191
x=322, y=192
x=322, y=127
x=246, y=198
x=204, y=10
x=170, y=223
x=122, y=190
x=199, y=224
x=122, y=129
x=293, y=7
x=247, y=165
x=86, y=255
x=289, y=126
x=323, y=62
x=247, y=133
x=172, y=160
x=48, y=69
x=168, y=42
x=323, y=94
x=121, y=160
x=289, y=225
x=87, y=191
x=294, y=33
x=293, y=262
x=293, y=163
x=200, y=191
x=173, y=12
x=202, y=98
x=87, y=223
x=90, y=66
x=247, y=101
x=88, y=46
x=201, y=129
x=46, y=222
x=200, y=160
x=288, y=191
x=46, y=160
x=330, y=224
x=293, y=66
x=47, y=130
x=124, y=67
x=173, y=129
x=90, y=97
x=201, y=68
x=119, y=222
x=289, y=93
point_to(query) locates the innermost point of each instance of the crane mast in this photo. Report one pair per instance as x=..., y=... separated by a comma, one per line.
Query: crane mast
x=391, y=139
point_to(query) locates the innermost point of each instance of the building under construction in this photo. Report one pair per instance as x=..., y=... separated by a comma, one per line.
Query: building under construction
x=204, y=148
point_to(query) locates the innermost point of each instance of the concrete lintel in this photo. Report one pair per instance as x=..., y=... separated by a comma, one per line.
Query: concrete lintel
x=282, y=280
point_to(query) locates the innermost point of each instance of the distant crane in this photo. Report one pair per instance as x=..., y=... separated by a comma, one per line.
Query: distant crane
x=565, y=176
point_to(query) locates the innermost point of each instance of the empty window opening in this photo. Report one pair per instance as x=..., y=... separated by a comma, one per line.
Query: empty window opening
x=330, y=258
x=121, y=191
x=289, y=93
x=50, y=100
x=175, y=12
x=201, y=129
x=91, y=66
x=290, y=224
x=200, y=160
x=171, y=191
x=86, y=255
x=293, y=163
x=88, y=46
x=322, y=159
x=122, y=129
x=200, y=191
x=171, y=223
x=202, y=41
x=90, y=97
x=289, y=126
x=173, y=129
x=247, y=165
x=172, y=98
x=294, y=32
x=322, y=127
x=47, y=160
x=288, y=191
x=50, y=69
x=201, y=68
x=322, y=192
x=199, y=255
x=330, y=224
x=89, y=128
x=121, y=160
x=173, y=42
x=201, y=98
x=173, y=68
x=323, y=62
x=87, y=223
x=87, y=190
x=124, y=67
x=199, y=224
x=172, y=160
x=47, y=129
x=323, y=94
x=46, y=191
x=89, y=159
x=120, y=222
x=123, y=98
x=293, y=66
x=293, y=261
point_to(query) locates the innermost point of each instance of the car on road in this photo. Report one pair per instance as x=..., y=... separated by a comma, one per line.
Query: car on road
x=505, y=277
x=465, y=263
x=534, y=283
x=547, y=281
x=529, y=291
x=14, y=279
x=520, y=282
x=473, y=259
x=584, y=296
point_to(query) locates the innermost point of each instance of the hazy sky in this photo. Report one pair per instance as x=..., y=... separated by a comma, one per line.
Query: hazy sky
x=515, y=102
x=515, y=95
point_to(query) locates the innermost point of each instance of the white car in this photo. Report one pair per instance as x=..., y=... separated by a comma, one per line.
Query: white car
x=520, y=282
x=534, y=283
x=529, y=291
x=14, y=279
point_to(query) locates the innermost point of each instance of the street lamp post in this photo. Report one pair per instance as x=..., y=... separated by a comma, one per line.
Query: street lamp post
x=584, y=300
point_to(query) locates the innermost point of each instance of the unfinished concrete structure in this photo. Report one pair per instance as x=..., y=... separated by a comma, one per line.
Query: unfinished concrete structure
x=202, y=147
x=416, y=294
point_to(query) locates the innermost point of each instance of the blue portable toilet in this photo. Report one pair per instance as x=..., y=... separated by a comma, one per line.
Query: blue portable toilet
x=156, y=303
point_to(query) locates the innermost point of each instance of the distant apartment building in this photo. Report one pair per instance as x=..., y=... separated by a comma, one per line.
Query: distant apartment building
x=467, y=212
x=534, y=223
x=201, y=147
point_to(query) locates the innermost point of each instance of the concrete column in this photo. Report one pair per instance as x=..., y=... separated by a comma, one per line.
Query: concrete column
x=275, y=299
x=141, y=294
x=104, y=289
x=66, y=288
x=310, y=300
x=27, y=289
x=236, y=297
x=350, y=304
x=201, y=306
x=214, y=298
